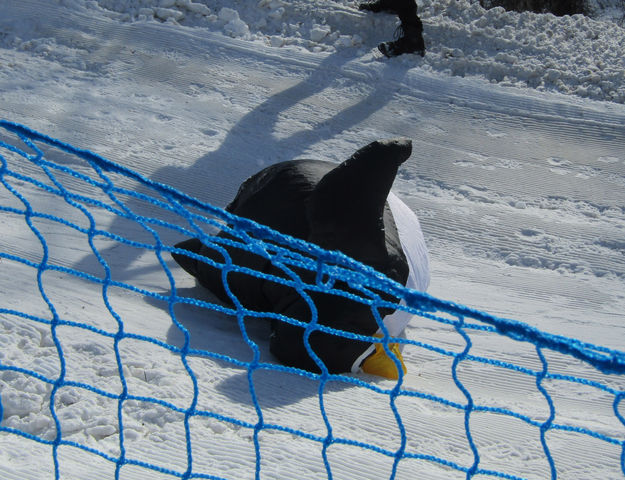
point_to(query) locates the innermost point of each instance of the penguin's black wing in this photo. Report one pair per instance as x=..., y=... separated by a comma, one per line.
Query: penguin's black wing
x=348, y=210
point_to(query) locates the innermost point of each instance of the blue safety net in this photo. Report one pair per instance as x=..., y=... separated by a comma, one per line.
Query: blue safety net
x=104, y=230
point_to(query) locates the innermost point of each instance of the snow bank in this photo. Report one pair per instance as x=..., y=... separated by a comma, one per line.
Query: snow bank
x=573, y=55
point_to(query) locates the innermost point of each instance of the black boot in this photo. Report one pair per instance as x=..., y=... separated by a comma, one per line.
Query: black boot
x=410, y=40
x=389, y=6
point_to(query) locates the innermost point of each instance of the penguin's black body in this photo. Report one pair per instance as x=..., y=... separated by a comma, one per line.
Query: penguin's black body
x=338, y=207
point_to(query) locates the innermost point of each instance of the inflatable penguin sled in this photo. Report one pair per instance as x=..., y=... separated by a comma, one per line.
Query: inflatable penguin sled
x=346, y=207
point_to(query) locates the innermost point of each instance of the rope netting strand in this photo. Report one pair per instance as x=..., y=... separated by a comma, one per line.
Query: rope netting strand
x=51, y=187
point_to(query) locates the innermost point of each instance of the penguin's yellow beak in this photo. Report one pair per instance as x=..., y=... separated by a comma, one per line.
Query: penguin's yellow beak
x=379, y=363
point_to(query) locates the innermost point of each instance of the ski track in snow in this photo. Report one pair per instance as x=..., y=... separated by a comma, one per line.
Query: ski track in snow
x=519, y=192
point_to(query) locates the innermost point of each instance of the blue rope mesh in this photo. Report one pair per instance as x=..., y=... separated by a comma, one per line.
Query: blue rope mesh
x=34, y=166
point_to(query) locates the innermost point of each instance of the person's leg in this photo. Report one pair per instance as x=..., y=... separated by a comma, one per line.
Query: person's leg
x=411, y=37
x=410, y=40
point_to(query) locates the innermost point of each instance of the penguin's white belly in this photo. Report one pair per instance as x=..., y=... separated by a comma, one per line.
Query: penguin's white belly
x=413, y=245
x=412, y=242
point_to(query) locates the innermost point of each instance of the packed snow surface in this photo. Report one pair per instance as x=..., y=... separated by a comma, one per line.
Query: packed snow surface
x=517, y=176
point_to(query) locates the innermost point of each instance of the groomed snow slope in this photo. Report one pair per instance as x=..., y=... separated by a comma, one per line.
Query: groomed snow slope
x=519, y=192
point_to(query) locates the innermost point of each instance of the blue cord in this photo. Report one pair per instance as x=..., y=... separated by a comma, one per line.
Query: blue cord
x=288, y=255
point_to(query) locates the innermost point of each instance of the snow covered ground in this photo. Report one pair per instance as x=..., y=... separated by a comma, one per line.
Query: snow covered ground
x=517, y=175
